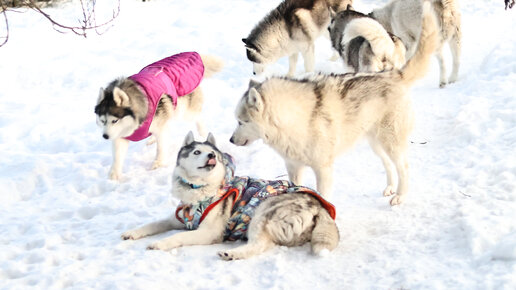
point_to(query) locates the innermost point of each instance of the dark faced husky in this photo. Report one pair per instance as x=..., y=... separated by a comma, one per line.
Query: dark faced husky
x=403, y=19
x=309, y=122
x=217, y=206
x=289, y=29
x=133, y=108
x=363, y=43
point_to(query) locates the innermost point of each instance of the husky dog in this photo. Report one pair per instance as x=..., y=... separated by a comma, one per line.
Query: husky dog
x=131, y=109
x=217, y=206
x=364, y=44
x=290, y=28
x=403, y=18
x=309, y=122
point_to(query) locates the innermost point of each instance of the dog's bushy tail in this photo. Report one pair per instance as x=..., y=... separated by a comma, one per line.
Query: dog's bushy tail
x=325, y=235
x=370, y=29
x=212, y=65
x=417, y=66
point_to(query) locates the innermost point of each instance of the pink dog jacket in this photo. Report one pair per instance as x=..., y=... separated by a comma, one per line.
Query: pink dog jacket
x=177, y=75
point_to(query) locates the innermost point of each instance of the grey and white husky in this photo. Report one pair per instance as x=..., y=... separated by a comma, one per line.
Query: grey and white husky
x=125, y=107
x=217, y=206
x=403, y=19
x=310, y=121
x=290, y=29
x=363, y=43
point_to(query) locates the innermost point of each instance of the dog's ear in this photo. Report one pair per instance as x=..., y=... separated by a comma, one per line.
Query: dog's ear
x=254, y=99
x=189, y=139
x=211, y=139
x=244, y=40
x=120, y=97
x=253, y=83
x=349, y=7
x=332, y=13
x=101, y=95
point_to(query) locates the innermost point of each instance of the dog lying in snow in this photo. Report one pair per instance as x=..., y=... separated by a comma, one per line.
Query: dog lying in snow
x=217, y=206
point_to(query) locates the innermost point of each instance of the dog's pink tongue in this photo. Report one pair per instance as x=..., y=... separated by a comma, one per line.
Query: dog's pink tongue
x=212, y=161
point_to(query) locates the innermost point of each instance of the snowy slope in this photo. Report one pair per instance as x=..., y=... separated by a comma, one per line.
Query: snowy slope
x=61, y=219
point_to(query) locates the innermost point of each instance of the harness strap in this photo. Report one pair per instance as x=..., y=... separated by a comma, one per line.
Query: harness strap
x=226, y=195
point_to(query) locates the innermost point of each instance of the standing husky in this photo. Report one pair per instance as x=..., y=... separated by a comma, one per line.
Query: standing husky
x=403, y=18
x=133, y=108
x=364, y=44
x=309, y=122
x=217, y=206
x=290, y=28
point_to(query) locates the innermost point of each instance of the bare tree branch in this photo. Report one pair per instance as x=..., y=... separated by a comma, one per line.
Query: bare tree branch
x=87, y=23
x=5, y=38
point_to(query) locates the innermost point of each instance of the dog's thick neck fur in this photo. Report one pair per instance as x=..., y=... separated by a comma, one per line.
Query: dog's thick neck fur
x=182, y=190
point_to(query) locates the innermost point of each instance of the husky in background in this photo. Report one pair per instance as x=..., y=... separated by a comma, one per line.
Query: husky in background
x=309, y=122
x=217, y=206
x=403, y=19
x=363, y=43
x=289, y=29
x=133, y=108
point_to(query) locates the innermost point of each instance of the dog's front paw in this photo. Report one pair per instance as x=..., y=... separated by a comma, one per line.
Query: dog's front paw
x=131, y=235
x=228, y=256
x=115, y=175
x=397, y=200
x=157, y=164
x=388, y=191
x=160, y=246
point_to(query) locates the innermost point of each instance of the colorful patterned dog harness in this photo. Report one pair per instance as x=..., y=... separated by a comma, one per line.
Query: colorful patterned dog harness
x=177, y=75
x=248, y=194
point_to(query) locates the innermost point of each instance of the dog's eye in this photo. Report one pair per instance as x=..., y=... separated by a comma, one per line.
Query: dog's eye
x=239, y=123
x=114, y=121
x=197, y=152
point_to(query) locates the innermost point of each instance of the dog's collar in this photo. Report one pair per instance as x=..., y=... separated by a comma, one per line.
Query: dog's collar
x=192, y=186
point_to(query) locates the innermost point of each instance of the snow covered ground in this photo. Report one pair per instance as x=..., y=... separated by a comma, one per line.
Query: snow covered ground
x=61, y=218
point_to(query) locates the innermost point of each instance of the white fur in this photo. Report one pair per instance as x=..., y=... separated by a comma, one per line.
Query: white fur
x=380, y=41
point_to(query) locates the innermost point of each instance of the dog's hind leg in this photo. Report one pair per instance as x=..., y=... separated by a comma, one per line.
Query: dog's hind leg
x=295, y=171
x=455, y=48
x=292, y=64
x=253, y=247
x=399, y=158
x=387, y=163
x=442, y=67
x=120, y=146
x=395, y=146
x=163, y=144
x=201, y=129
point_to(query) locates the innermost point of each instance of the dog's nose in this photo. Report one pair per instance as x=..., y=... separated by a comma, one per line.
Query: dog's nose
x=106, y=136
x=232, y=140
x=254, y=73
x=211, y=155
